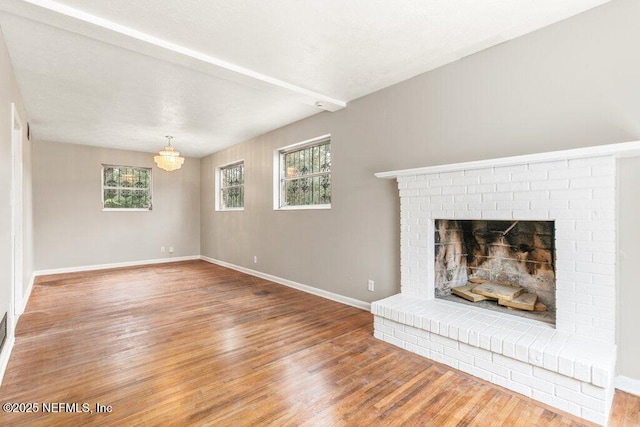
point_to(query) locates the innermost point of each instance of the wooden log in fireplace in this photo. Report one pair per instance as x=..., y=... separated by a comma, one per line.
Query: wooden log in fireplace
x=507, y=295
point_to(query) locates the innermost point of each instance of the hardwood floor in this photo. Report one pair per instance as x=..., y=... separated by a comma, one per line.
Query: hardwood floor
x=192, y=343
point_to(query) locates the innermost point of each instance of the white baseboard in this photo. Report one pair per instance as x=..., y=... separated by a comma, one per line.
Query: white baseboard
x=6, y=352
x=630, y=385
x=290, y=283
x=114, y=265
x=12, y=322
x=27, y=294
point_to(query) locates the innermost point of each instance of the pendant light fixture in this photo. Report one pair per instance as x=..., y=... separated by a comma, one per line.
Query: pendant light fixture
x=169, y=159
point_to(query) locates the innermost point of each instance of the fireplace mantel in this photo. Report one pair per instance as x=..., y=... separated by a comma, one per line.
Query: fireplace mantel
x=623, y=149
x=571, y=367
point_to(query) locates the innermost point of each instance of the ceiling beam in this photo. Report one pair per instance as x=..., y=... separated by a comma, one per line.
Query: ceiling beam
x=79, y=22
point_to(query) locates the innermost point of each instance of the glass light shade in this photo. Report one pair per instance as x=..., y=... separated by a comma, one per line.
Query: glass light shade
x=169, y=159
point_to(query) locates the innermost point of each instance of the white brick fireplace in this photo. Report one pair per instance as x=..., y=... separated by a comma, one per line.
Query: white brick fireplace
x=571, y=366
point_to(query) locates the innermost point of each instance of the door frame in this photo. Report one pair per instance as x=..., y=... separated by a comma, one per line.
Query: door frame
x=17, y=252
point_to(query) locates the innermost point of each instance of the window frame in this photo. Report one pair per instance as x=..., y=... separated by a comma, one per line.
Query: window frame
x=102, y=186
x=279, y=174
x=218, y=186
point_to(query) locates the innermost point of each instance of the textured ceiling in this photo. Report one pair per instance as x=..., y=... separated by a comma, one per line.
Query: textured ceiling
x=124, y=73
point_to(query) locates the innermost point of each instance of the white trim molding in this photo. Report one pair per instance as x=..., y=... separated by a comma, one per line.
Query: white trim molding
x=630, y=385
x=27, y=294
x=10, y=340
x=6, y=353
x=295, y=285
x=114, y=265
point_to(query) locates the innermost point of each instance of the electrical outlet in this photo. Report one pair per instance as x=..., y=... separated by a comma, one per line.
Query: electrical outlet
x=255, y=259
x=170, y=249
x=370, y=285
x=162, y=249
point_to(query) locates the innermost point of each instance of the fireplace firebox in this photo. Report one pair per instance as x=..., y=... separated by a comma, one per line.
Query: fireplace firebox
x=519, y=254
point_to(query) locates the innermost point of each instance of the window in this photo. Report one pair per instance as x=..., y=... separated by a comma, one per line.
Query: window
x=126, y=188
x=304, y=179
x=230, y=187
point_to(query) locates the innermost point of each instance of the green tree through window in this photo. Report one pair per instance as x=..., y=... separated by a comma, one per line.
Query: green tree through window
x=232, y=186
x=126, y=187
x=307, y=175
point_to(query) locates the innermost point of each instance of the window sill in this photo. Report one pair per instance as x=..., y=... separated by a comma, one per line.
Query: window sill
x=126, y=210
x=302, y=207
x=230, y=210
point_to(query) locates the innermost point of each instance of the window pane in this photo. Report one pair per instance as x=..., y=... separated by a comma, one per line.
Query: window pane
x=232, y=187
x=126, y=187
x=138, y=199
x=233, y=197
x=232, y=175
x=307, y=176
x=314, y=190
x=308, y=161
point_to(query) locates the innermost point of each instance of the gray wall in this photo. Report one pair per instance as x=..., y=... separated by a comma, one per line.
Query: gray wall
x=569, y=85
x=71, y=230
x=9, y=94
